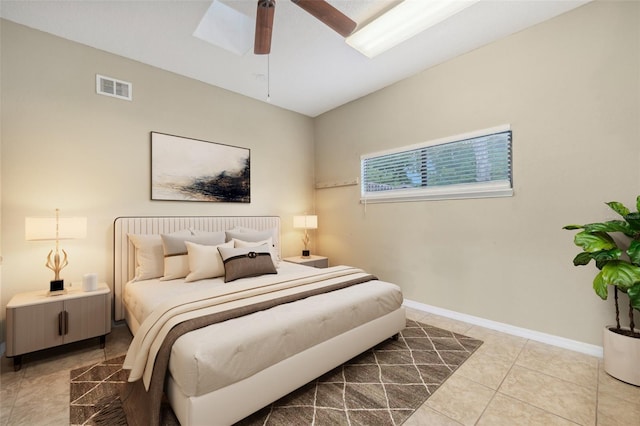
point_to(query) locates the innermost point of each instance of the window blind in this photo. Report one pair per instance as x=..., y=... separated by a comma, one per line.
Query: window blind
x=474, y=165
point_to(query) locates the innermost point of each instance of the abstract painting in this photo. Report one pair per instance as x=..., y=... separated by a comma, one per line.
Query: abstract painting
x=188, y=169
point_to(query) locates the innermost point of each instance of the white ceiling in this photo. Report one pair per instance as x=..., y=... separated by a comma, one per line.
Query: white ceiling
x=311, y=69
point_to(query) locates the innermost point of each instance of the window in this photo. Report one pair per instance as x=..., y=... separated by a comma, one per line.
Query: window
x=474, y=165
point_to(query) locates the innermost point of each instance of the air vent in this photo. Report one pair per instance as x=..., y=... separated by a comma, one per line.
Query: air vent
x=111, y=87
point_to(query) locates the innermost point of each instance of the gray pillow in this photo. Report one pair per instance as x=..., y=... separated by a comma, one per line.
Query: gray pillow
x=176, y=261
x=246, y=262
x=174, y=244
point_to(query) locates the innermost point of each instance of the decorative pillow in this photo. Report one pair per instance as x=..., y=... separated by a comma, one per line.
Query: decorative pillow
x=252, y=235
x=176, y=261
x=269, y=242
x=149, y=254
x=212, y=233
x=246, y=262
x=205, y=261
x=247, y=234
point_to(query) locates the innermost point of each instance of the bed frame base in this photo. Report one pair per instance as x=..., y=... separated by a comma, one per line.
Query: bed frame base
x=233, y=403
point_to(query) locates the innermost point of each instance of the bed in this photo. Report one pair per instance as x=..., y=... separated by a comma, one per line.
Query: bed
x=258, y=349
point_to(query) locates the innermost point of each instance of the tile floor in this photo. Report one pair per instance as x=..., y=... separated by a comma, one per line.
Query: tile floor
x=508, y=381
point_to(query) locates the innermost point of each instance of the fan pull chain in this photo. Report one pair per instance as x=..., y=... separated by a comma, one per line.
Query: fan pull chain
x=268, y=79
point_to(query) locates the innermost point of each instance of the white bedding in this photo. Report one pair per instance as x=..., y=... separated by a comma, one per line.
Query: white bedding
x=223, y=353
x=142, y=297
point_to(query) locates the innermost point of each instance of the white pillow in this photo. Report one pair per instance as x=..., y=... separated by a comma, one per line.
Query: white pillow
x=176, y=260
x=252, y=235
x=269, y=241
x=205, y=261
x=149, y=254
x=248, y=234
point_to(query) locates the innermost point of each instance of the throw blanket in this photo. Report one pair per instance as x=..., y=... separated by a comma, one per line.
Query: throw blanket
x=148, y=355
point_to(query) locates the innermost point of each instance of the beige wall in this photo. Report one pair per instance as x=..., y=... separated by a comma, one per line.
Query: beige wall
x=64, y=146
x=570, y=88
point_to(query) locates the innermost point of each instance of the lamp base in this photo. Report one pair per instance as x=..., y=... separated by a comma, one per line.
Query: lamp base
x=56, y=285
x=306, y=253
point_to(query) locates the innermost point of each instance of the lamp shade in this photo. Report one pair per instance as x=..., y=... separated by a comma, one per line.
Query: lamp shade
x=44, y=228
x=305, y=222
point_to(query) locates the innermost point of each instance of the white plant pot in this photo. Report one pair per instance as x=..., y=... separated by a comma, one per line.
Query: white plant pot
x=622, y=356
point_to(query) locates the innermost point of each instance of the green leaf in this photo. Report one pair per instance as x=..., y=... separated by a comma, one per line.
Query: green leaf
x=618, y=208
x=582, y=259
x=601, y=257
x=634, y=220
x=610, y=226
x=620, y=273
x=634, y=296
x=606, y=255
x=571, y=227
x=592, y=242
x=600, y=286
x=634, y=252
x=638, y=203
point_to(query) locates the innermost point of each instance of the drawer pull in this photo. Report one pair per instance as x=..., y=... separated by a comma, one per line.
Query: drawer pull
x=60, y=324
x=66, y=322
x=63, y=323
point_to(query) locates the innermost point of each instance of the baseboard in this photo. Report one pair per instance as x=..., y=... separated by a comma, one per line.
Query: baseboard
x=562, y=342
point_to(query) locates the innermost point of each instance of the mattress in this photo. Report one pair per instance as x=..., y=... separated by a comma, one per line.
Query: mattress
x=221, y=354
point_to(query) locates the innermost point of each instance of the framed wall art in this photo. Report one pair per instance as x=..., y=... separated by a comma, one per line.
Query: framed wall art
x=186, y=169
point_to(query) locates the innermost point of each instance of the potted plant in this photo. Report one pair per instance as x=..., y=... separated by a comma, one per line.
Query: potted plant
x=618, y=261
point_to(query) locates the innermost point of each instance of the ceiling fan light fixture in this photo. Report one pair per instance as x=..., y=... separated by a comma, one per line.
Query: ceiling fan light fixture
x=404, y=21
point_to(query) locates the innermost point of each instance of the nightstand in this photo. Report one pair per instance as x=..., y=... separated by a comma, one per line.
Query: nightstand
x=36, y=321
x=313, y=260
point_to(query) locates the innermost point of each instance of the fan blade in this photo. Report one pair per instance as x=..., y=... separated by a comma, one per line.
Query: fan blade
x=329, y=15
x=264, y=26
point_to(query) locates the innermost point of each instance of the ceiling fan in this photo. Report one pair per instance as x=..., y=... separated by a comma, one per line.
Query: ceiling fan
x=322, y=10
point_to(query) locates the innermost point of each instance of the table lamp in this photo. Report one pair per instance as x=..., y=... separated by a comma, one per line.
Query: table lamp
x=305, y=222
x=55, y=228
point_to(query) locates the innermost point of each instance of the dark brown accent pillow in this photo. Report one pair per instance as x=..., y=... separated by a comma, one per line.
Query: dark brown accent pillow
x=246, y=262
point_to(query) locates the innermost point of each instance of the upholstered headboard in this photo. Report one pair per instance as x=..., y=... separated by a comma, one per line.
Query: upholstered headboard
x=124, y=264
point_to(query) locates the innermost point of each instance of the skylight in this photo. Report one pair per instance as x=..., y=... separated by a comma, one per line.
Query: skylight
x=225, y=27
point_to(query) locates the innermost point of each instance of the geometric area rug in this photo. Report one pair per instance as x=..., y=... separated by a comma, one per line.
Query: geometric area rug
x=382, y=386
